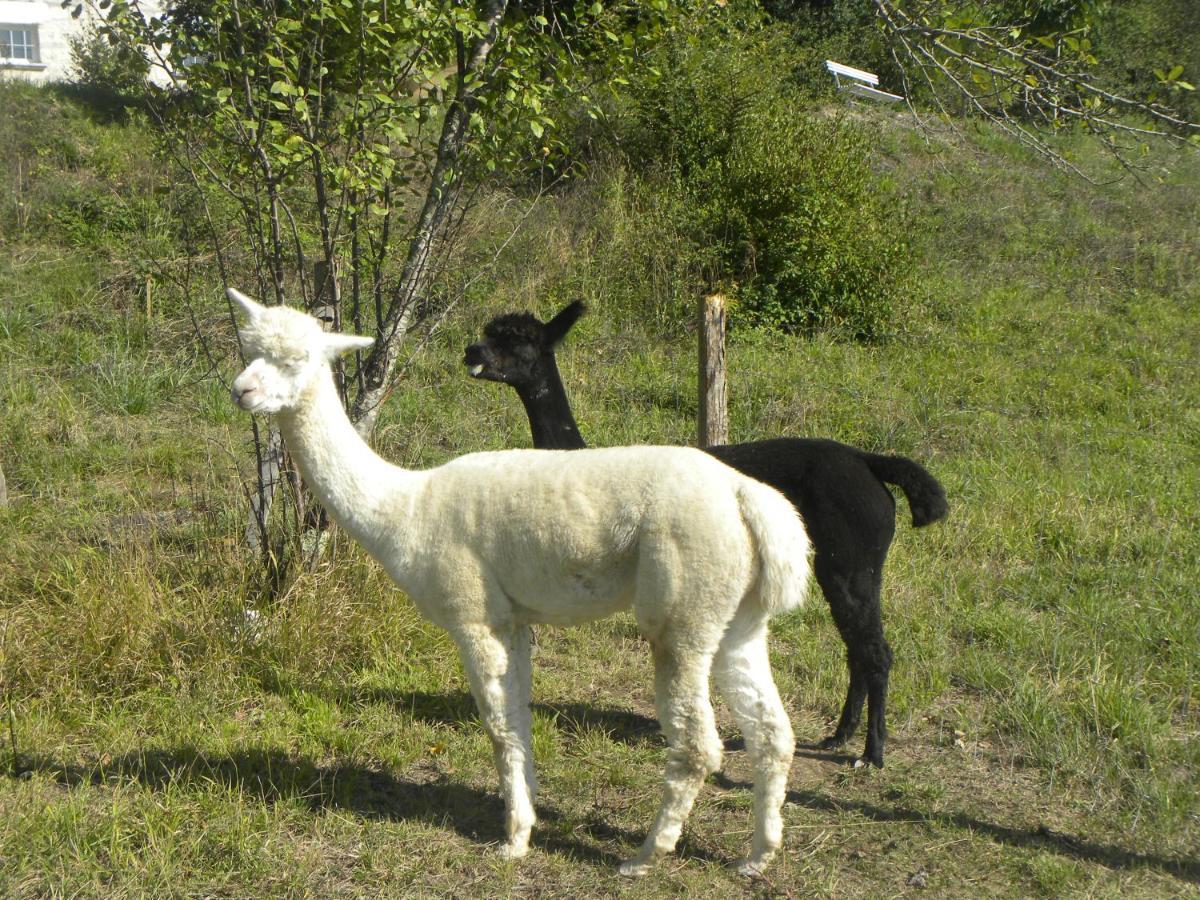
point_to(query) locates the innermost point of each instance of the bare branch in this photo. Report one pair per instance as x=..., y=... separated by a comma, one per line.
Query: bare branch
x=1006, y=76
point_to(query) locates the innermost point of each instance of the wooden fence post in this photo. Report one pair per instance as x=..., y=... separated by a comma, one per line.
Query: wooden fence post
x=714, y=412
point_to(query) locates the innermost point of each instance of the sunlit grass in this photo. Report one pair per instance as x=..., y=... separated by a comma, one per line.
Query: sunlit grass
x=1043, y=709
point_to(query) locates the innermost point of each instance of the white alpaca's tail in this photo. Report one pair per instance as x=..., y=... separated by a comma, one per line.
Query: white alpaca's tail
x=782, y=545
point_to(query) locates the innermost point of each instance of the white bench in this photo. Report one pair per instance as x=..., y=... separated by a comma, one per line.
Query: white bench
x=857, y=81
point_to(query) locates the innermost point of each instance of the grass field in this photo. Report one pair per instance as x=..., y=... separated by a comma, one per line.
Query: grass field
x=1045, y=719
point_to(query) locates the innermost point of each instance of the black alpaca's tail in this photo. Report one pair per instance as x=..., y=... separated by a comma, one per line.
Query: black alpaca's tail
x=926, y=496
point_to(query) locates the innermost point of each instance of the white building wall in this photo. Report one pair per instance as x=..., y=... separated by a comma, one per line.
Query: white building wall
x=55, y=29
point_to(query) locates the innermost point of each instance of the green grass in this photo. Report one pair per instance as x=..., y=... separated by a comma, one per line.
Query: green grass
x=1044, y=717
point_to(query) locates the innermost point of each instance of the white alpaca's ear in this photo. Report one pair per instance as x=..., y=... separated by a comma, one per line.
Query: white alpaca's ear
x=337, y=344
x=248, y=306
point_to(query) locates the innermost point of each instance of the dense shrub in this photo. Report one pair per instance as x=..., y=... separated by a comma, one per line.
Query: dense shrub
x=1138, y=37
x=112, y=76
x=845, y=30
x=776, y=203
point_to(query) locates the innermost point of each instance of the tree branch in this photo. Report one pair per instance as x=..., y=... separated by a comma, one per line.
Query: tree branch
x=379, y=367
x=1019, y=84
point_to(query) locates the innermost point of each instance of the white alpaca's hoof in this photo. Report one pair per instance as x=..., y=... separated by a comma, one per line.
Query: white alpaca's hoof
x=635, y=868
x=753, y=866
x=513, y=851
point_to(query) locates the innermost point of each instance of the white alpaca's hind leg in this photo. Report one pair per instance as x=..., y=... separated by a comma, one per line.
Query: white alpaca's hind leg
x=497, y=665
x=743, y=675
x=693, y=748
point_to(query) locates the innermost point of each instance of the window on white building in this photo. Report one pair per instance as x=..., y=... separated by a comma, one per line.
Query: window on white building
x=18, y=44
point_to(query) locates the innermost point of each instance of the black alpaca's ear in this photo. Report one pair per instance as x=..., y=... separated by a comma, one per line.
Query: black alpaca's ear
x=557, y=328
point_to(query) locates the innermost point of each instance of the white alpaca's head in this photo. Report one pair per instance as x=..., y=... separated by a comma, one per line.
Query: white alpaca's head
x=287, y=351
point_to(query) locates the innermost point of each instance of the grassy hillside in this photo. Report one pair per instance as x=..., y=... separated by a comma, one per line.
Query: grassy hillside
x=1044, y=716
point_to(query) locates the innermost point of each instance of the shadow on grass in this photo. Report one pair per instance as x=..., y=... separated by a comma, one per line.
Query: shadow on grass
x=458, y=707
x=1041, y=838
x=621, y=725
x=271, y=776
x=633, y=729
x=840, y=755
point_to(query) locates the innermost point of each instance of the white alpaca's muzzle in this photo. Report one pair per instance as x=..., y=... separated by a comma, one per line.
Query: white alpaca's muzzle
x=248, y=391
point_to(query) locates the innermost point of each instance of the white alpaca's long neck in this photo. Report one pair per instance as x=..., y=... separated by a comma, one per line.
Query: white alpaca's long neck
x=349, y=479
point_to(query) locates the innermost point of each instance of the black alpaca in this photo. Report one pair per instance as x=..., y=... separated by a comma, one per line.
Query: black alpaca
x=838, y=490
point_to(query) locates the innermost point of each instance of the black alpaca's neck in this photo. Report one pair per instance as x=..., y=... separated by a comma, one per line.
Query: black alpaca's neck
x=549, y=413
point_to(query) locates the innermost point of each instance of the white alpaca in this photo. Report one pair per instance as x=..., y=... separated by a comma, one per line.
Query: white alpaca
x=490, y=543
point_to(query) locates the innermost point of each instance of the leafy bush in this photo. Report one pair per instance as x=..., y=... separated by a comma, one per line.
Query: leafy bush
x=845, y=30
x=1139, y=38
x=776, y=204
x=113, y=75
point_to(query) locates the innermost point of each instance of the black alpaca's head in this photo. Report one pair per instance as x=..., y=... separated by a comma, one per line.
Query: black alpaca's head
x=518, y=348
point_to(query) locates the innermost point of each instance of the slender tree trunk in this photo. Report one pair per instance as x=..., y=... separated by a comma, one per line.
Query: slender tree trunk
x=270, y=464
x=714, y=412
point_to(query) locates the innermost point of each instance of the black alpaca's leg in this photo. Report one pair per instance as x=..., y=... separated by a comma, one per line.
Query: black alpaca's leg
x=842, y=604
x=877, y=681
x=876, y=663
x=854, y=601
x=856, y=695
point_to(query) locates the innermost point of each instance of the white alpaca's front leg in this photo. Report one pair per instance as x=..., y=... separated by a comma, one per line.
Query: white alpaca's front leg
x=522, y=655
x=497, y=664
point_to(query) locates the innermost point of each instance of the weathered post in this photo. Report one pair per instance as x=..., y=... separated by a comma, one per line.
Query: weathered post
x=714, y=413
